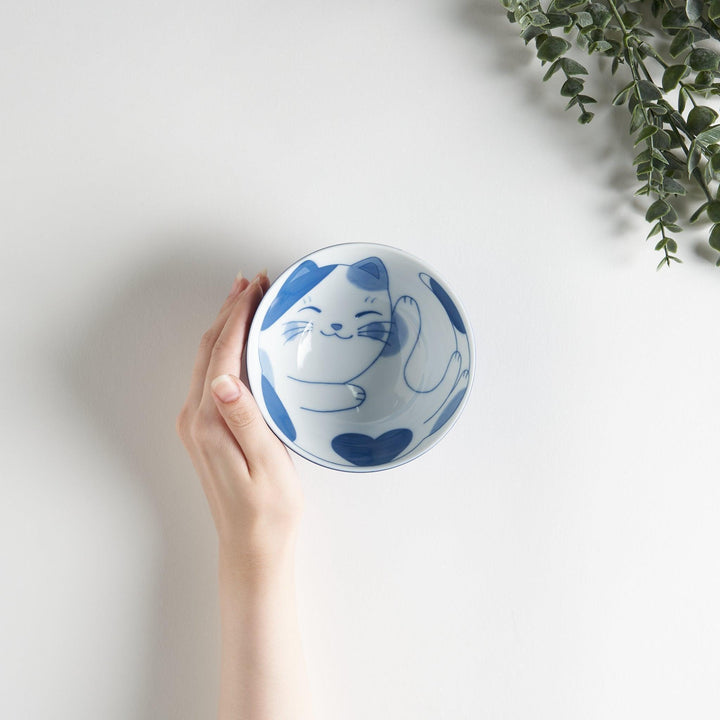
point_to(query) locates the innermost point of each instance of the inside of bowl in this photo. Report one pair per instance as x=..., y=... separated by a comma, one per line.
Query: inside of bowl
x=361, y=358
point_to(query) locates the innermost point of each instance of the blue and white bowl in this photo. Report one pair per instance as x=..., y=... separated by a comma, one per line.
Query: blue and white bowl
x=360, y=357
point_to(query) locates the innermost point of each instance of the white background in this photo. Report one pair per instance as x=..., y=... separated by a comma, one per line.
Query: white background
x=555, y=556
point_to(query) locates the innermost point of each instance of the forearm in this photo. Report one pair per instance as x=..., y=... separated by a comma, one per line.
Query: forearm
x=263, y=674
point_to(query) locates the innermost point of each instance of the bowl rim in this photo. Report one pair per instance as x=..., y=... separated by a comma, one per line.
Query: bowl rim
x=253, y=342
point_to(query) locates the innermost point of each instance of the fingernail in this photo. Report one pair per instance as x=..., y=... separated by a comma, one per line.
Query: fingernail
x=236, y=283
x=225, y=388
x=263, y=272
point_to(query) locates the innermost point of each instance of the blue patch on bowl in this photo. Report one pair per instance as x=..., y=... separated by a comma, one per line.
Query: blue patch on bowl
x=277, y=410
x=364, y=450
x=447, y=413
x=446, y=302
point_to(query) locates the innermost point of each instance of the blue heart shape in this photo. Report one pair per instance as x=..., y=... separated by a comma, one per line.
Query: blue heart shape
x=364, y=450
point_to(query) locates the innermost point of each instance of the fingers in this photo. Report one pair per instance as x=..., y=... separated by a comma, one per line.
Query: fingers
x=242, y=415
x=226, y=354
x=197, y=381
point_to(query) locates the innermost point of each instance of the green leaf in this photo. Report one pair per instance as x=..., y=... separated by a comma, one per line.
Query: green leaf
x=539, y=19
x=682, y=97
x=696, y=215
x=552, y=70
x=645, y=133
x=648, y=91
x=714, y=10
x=704, y=79
x=660, y=157
x=530, y=33
x=661, y=140
x=600, y=14
x=713, y=211
x=643, y=171
x=709, y=136
x=675, y=18
x=552, y=48
x=708, y=175
x=642, y=157
x=559, y=20
x=658, y=110
x=600, y=46
x=657, y=227
x=673, y=75
x=693, y=159
x=673, y=187
x=572, y=86
x=715, y=237
x=661, y=243
x=622, y=96
x=586, y=117
x=657, y=210
x=684, y=39
x=584, y=19
x=671, y=245
x=637, y=119
x=540, y=38
x=699, y=118
x=693, y=9
x=631, y=19
x=572, y=68
x=703, y=59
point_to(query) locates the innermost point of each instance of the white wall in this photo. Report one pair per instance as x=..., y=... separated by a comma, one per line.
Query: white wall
x=555, y=556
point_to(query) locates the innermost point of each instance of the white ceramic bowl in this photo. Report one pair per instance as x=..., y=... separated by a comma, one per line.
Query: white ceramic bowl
x=360, y=357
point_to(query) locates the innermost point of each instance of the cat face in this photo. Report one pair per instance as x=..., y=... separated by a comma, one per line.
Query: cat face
x=333, y=332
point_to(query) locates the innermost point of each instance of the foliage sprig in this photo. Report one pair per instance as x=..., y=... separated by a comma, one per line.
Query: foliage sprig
x=670, y=55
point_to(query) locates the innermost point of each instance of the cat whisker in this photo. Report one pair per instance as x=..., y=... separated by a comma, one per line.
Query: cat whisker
x=387, y=325
x=289, y=327
x=292, y=334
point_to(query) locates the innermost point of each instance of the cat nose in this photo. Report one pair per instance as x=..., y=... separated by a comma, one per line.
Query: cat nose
x=336, y=326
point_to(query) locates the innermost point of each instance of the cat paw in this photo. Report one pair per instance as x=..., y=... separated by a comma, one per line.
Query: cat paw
x=358, y=393
x=413, y=350
x=452, y=372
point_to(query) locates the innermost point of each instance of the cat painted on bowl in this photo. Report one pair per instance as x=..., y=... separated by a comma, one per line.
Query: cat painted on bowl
x=334, y=344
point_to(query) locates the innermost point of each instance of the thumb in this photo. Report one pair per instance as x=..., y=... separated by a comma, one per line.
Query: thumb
x=242, y=415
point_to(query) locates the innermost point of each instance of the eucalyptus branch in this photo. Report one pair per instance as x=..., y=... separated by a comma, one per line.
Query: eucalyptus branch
x=670, y=118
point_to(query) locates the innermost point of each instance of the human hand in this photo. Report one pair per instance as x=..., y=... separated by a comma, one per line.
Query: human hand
x=247, y=474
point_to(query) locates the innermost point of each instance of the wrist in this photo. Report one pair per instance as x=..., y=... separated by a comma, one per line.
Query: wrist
x=243, y=570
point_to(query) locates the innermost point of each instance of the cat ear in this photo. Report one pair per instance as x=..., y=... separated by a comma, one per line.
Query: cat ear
x=303, y=269
x=368, y=274
x=302, y=279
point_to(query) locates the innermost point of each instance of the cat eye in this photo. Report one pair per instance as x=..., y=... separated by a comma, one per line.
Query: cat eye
x=367, y=312
x=310, y=307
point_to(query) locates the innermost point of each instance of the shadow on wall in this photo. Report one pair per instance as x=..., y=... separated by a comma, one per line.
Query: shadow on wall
x=130, y=371
x=605, y=146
